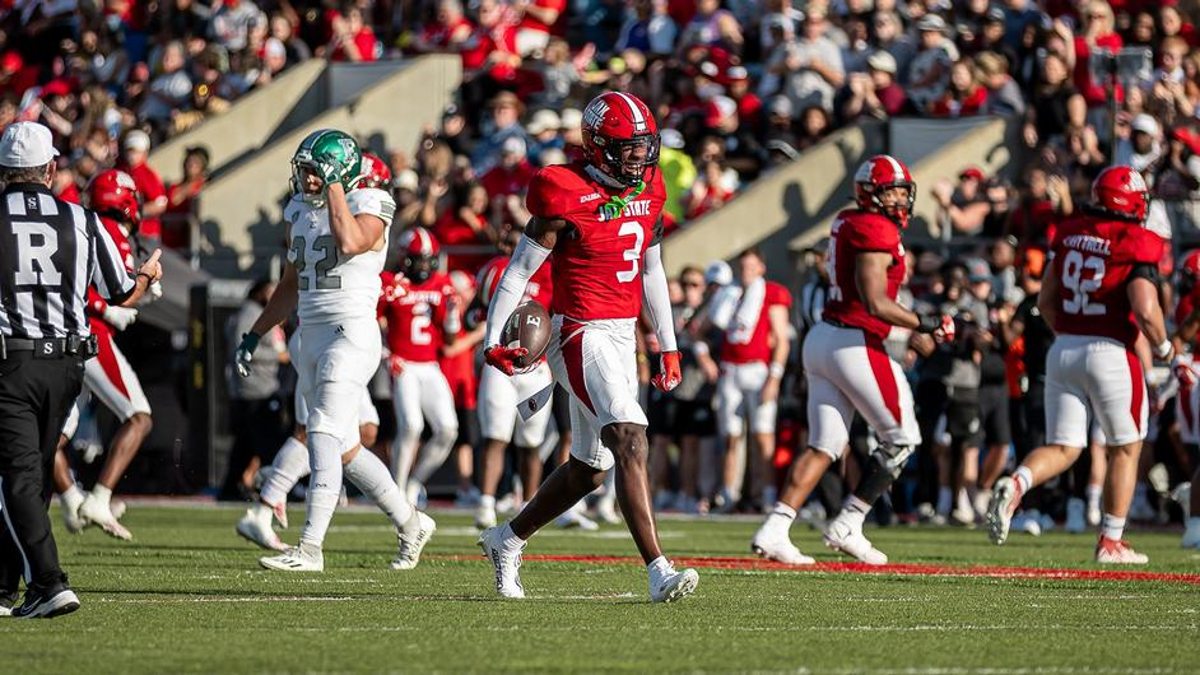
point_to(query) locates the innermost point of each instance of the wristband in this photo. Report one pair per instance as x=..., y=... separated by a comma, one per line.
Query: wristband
x=149, y=279
x=776, y=371
x=1163, y=349
x=928, y=324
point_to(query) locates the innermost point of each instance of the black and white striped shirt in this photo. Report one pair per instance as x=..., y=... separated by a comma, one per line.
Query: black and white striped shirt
x=50, y=250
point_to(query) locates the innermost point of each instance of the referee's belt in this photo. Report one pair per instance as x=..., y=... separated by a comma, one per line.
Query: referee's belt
x=50, y=348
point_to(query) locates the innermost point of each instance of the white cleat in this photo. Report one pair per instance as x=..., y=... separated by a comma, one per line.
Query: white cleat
x=606, y=509
x=1113, y=552
x=575, y=518
x=254, y=530
x=778, y=548
x=411, y=547
x=118, y=508
x=1000, y=511
x=506, y=562
x=841, y=536
x=673, y=585
x=93, y=512
x=295, y=559
x=1076, y=521
x=485, y=516
x=1182, y=495
x=1191, y=536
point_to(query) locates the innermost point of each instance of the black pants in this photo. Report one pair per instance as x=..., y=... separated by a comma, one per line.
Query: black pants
x=257, y=428
x=35, y=397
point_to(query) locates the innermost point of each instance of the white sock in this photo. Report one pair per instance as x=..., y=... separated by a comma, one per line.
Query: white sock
x=780, y=519
x=289, y=466
x=1112, y=527
x=1024, y=479
x=854, y=511
x=509, y=539
x=963, y=503
x=71, y=498
x=487, y=502
x=1094, y=492
x=325, y=456
x=945, y=500
x=373, y=479
x=102, y=494
x=659, y=566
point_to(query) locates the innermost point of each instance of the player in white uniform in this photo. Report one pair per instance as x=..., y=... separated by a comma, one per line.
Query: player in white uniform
x=337, y=243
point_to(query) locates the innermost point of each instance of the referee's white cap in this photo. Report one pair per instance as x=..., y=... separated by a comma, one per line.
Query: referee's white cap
x=26, y=144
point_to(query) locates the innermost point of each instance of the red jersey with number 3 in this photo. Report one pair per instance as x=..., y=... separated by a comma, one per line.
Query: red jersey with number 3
x=540, y=288
x=96, y=304
x=745, y=345
x=1093, y=260
x=415, y=315
x=597, y=263
x=856, y=232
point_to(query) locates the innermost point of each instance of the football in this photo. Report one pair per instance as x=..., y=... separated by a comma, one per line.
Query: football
x=528, y=327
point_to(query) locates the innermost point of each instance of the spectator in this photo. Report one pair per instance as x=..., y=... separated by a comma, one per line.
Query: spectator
x=504, y=123
x=962, y=210
x=539, y=19
x=1043, y=200
x=780, y=138
x=649, y=29
x=559, y=74
x=964, y=96
x=875, y=94
x=171, y=88
x=815, y=124
x=810, y=66
x=182, y=199
x=712, y=26
x=742, y=150
x=1137, y=142
x=544, y=132
x=511, y=174
x=352, y=39
x=679, y=172
x=929, y=70
x=749, y=105
x=449, y=32
x=233, y=22
x=710, y=190
x=284, y=31
x=464, y=230
x=1057, y=106
x=136, y=149
x=890, y=37
x=1003, y=93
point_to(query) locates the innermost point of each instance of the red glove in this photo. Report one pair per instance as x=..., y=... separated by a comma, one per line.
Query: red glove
x=501, y=358
x=395, y=365
x=1182, y=368
x=669, y=375
x=945, y=331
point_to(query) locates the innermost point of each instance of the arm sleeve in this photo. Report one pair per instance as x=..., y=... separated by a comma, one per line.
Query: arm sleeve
x=658, y=298
x=526, y=259
x=112, y=281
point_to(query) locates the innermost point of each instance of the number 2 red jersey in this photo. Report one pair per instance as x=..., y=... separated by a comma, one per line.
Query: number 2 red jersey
x=856, y=232
x=596, y=264
x=415, y=315
x=540, y=288
x=1093, y=260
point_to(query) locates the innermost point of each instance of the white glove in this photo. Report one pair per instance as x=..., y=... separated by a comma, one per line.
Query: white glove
x=156, y=291
x=120, y=317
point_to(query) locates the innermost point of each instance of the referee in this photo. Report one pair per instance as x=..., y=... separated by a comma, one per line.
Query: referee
x=50, y=251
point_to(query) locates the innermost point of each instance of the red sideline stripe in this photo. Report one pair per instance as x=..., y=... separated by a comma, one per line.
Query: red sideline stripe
x=881, y=367
x=1138, y=384
x=572, y=352
x=895, y=569
x=108, y=363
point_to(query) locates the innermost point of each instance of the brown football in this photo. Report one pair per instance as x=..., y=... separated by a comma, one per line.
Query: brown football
x=528, y=327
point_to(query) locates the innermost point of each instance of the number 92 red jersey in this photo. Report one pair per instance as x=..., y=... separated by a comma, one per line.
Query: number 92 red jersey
x=596, y=264
x=856, y=232
x=1093, y=260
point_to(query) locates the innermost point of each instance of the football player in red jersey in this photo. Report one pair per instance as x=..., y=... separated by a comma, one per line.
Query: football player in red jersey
x=500, y=394
x=1187, y=372
x=1099, y=293
x=848, y=369
x=418, y=309
x=599, y=221
x=754, y=317
x=113, y=195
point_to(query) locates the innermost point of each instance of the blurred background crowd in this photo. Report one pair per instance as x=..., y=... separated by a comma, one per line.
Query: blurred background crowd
x=739, y=87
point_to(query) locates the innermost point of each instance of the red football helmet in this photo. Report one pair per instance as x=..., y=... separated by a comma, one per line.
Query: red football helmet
x=1189, y=271
x=113, y=193
x=612, y=122
x=1121, y=192
x=421, y=252
x=875, y=176
x=375, y=172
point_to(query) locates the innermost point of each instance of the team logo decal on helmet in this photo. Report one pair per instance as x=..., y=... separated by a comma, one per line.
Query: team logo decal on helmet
x=330, y=155
x=1121, y=192
x=613, y=122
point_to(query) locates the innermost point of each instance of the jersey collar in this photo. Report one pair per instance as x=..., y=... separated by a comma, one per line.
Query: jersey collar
x=27, y=187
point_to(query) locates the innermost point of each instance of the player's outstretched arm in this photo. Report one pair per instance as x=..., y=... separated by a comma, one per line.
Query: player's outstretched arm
x=281, y=303
x=353, y=234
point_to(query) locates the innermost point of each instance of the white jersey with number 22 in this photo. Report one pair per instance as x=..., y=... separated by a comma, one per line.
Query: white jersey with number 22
x=334, y=287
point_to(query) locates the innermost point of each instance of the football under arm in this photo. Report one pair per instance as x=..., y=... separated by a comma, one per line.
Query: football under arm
x=526, y=259
x=658, y=298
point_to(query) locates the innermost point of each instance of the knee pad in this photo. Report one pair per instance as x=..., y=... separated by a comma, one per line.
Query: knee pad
x=892, y=458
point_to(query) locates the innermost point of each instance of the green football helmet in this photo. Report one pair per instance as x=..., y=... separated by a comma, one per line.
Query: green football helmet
x=331, y=155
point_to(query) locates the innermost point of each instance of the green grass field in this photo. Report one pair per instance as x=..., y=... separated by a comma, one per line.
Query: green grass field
x=188, y=596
